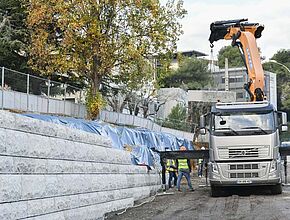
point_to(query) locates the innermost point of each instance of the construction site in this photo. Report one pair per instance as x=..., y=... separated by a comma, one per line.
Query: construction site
x=66, y=153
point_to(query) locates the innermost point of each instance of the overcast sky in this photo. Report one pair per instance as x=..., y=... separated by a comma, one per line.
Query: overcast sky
x=273, y=14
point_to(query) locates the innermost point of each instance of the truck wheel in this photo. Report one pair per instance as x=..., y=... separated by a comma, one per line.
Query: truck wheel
x=216, y=191
x=276, y=189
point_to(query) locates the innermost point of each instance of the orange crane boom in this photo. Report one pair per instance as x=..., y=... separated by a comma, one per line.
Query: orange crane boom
x=243, y=35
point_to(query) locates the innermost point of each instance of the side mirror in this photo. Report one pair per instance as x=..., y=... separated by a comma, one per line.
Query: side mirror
x=284, y=126
x=202, y=121
x=282, y=121
x=284, y=118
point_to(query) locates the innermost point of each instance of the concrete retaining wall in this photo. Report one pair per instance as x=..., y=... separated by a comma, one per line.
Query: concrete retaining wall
x=49, y=171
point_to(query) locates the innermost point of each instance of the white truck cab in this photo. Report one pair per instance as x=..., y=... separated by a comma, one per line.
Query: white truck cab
x=244, y=145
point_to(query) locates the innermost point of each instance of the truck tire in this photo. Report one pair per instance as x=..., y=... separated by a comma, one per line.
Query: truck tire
x=216, y=191
x=276, y=189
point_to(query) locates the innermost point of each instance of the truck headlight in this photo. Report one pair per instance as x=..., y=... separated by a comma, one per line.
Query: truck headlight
x=273, y=166
x=214, y=168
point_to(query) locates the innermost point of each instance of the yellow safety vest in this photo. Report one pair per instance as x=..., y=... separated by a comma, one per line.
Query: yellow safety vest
x=182, y=164
x=169, y=164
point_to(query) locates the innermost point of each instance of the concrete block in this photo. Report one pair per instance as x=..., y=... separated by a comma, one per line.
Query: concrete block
x=34, y=207
x=48, y=205
x=2, y=138
x=66, y=202
x=7, y=120
x=19, y=209
x=58, y=148
x=39, y=146
x=52, y=216
x=33, y=186
x=10, y=188
x=29, y=165
x=5, y=211
x=6, y=164
x=52, y=187
x=17, y=146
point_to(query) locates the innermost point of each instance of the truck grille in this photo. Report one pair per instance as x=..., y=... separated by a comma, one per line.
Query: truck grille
x=244, y=175
x=244, y=166
x=236, y=152
x=244, y=152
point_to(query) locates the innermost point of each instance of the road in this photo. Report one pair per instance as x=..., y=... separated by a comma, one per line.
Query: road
x=248, y=203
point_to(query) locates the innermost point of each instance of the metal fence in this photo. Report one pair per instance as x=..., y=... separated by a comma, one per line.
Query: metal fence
x=136, y=121
x=25, y=92
x=29, y=93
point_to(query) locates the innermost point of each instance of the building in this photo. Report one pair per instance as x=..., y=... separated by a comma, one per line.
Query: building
x=190, y=53
x=237, y=77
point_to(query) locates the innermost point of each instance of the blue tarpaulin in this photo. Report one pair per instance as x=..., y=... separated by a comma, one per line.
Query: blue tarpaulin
x=141, y=140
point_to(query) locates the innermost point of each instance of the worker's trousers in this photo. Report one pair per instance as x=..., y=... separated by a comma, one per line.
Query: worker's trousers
x=187, y=176
x=172, y=174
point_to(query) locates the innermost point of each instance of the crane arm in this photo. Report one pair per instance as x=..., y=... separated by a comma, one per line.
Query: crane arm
x=244, y=36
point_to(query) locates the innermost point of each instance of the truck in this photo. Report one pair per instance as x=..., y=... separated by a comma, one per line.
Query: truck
x=244, y=136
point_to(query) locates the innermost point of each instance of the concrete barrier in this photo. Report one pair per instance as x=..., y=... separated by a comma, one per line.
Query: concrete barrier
x=50, y=171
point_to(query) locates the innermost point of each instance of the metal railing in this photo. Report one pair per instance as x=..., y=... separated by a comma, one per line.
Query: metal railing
x=29, y=93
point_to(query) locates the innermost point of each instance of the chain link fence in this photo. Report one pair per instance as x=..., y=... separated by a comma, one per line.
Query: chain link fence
x=25, y=92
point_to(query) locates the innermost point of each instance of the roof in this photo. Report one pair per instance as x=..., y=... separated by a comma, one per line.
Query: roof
x=243, y=106
x=190, y=53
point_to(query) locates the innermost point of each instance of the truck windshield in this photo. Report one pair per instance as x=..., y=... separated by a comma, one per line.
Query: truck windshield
x=243, y=123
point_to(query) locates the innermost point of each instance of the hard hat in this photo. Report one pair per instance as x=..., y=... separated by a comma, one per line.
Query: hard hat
x=182, y=148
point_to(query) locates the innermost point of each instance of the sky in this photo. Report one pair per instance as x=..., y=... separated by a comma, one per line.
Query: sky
x=273, y=14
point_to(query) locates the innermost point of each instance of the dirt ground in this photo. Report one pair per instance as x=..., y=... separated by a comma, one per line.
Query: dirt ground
x=247, y=203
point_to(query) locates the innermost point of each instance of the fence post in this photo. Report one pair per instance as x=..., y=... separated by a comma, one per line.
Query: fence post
x=64, y=97
x=27, y=92
x=2, y=85
x=48, y=94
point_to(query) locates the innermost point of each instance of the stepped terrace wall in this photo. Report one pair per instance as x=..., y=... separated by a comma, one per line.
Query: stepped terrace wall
x=50, y=171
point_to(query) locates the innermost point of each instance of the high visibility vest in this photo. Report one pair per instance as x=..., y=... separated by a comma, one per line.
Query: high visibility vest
x=169, y=164
x=182, y=164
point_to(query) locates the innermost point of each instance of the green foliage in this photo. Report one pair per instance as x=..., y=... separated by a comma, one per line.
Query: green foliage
x=93, y=38
x=192, y=73
x=234, y=57
x=177, y=119
x=94, y=103
x=14, y=35
x=283, y=78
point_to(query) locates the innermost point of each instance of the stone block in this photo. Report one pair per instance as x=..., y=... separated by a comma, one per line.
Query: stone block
x=19, y=209
x=6, y=164
x=66, y=202
x=10, y=188
x=52, y=216
x=52, y=187
x=48, y=205
x=3, y=138
x=33, y=186
x=17, y=146
x=29, y=165
x=34, y=207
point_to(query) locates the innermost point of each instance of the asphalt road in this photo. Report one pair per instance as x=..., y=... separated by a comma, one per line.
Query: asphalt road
x=246, y=203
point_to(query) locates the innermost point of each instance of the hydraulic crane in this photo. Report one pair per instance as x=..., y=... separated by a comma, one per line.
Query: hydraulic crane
x=243, y=35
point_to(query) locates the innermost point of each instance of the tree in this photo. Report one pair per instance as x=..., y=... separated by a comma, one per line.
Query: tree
x=14, y=35
x=233, y=54
x=177, y=118
x=283, y=78
x=92, y=38
x=192, y=73
x=121, y=89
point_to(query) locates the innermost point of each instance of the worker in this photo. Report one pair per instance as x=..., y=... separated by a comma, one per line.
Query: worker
x=183, y=170
x=200, y=164
x=171, y=169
